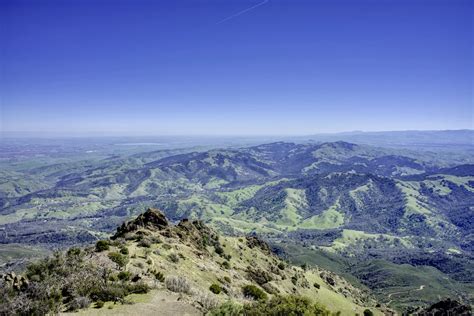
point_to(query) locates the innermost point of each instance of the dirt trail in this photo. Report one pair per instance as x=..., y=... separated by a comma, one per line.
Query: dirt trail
x=400, y=292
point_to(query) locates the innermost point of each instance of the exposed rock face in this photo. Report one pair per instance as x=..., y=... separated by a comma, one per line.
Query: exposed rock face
x=152, y=219
x=447, y=307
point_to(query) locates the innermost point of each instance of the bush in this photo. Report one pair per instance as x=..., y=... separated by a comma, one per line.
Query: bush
x=74, y=252
x=144, y=243
x=260, y=276
x=215, y=288
x=294, y=279
x=119, y=259
x=226, y=265
x=124, y=250
x=228, y=308
x=138, y=288
x=281, y=265
x=159, y=276
x=270, y=289
x=178, y=284
x=99, y=304
x=254, y=292
x=219, y=249
x=139, y=265
x=79, y=303
x=102, y=245
x=207, y=301
x=67, y=282
x=368, y=312
x=173, y=257
x=124, y=276
x=316, y=285
x=285, y=305
x=109, y=292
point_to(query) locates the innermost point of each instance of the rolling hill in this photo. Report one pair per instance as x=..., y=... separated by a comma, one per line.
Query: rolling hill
x=356, y=202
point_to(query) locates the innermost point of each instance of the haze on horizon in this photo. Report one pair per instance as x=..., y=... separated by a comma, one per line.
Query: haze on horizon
x=274, y=67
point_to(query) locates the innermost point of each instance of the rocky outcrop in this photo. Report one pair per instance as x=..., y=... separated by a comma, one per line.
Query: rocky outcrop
x=152, y=219
x=17, y=282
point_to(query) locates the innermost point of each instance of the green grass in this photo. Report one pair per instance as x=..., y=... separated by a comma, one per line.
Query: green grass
x=415, y=203
x=351, y=237
x=295, y=202
x=405, y=285
x=9, y=252
x=330, y=218
x=401, y=282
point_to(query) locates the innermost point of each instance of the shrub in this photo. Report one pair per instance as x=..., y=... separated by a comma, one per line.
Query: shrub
x=285, y=305
x=316, y=285
x=138, y=288
x=99, y=304
x=109, y=292
x=119, y=259
x=254, y=292
x=368, y=312
x=219, y=249
x=155, y=240
x=102, y=245
x=228, y=308
x=144, y=243
x=124, y=250
x=215, y=288
x=281, y=265
x=79, y=303
x=226, y=265
x=207, y=301
x=178, y=284
x=159, y=276
x=270, y=289
x=166, y=246
x=258, y=275
x=139, y=265
x=74, y=252
x=227, y=279
x=294, y=279
x=173, y=258
x=124, y=275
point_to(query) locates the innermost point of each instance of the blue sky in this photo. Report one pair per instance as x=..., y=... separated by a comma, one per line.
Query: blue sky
x=283, y=67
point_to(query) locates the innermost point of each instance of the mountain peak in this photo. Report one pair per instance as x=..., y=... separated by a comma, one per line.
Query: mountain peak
x=152, y=219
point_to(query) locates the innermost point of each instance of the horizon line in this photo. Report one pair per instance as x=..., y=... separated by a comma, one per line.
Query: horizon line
x=66, y=134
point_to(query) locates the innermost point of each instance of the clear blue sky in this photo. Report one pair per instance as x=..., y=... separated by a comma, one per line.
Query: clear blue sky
x=201, y=67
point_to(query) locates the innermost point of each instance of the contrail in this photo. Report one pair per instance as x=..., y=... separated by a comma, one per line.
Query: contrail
x=242, y=12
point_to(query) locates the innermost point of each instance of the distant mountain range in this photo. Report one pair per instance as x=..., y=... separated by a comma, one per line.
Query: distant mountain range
x=354, y=204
